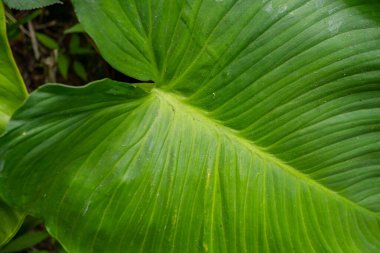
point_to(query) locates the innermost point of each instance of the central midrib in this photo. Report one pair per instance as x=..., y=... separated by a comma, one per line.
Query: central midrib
x=201, y=115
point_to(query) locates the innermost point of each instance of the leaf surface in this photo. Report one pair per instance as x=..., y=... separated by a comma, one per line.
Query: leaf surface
x=12, y=94
x=12, y=89
x=262, y=134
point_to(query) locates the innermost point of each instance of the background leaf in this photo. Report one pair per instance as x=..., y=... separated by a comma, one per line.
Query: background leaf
x=262, y=134
x=80, y=70
x=25, y=241
x=12, y=94
x=13, y=26
x=63, y=64
x=77, y=28
x=47, y=41
x=29, y=4
x=76, y=49
x=10, y=222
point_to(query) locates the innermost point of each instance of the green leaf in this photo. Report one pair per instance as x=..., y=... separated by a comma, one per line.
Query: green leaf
x=25, y=19
x=80, y=70
x=262, y=133
x=47, y=41
x=74, y=43
x=29, y=4
x=13, y=29
x=30, y=223
x=75, y=47
x=10, y=222
x=77, y=28
x=12, y=94
x=25, y=241
x=12, y=89
x=63, y=63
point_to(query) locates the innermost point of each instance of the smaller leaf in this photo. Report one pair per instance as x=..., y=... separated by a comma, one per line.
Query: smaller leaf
x=29, y=4
x=47, y=41
x=80, y=70
x=74, y=43
x=63, y=65
x=13, y=27
x=13, y=33
x=30, y=223
x=27, y=18
x=25, y=241
x=10, y=222
x=77, y=28
x=75, y=47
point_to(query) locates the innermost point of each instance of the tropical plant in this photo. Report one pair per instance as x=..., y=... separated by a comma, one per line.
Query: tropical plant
x=255, y=128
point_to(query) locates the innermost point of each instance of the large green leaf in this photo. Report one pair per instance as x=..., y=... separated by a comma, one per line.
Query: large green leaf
x=262, y=134
x=12, y=94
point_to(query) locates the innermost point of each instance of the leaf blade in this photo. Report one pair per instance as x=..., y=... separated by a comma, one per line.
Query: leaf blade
x=240, y=126
x=220, y=174
x=12, y=94
x=267, y=89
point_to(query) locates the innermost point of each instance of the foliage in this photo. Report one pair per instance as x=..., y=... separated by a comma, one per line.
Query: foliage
x=29, y=4
x=31, y=237
x=260, y=131
x=25, y=241
x=12, y=94
x=49, y=46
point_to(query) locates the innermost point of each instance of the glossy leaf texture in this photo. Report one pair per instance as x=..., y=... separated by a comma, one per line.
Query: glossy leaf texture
x=12, y=94
x=261, y=135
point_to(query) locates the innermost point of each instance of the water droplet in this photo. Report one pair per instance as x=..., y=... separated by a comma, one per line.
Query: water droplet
x=282, y=9
x=86, y=208
x=269, y=7
x=334, y=25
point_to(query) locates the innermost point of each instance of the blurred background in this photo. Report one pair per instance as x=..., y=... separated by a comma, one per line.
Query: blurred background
x=51, y=47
